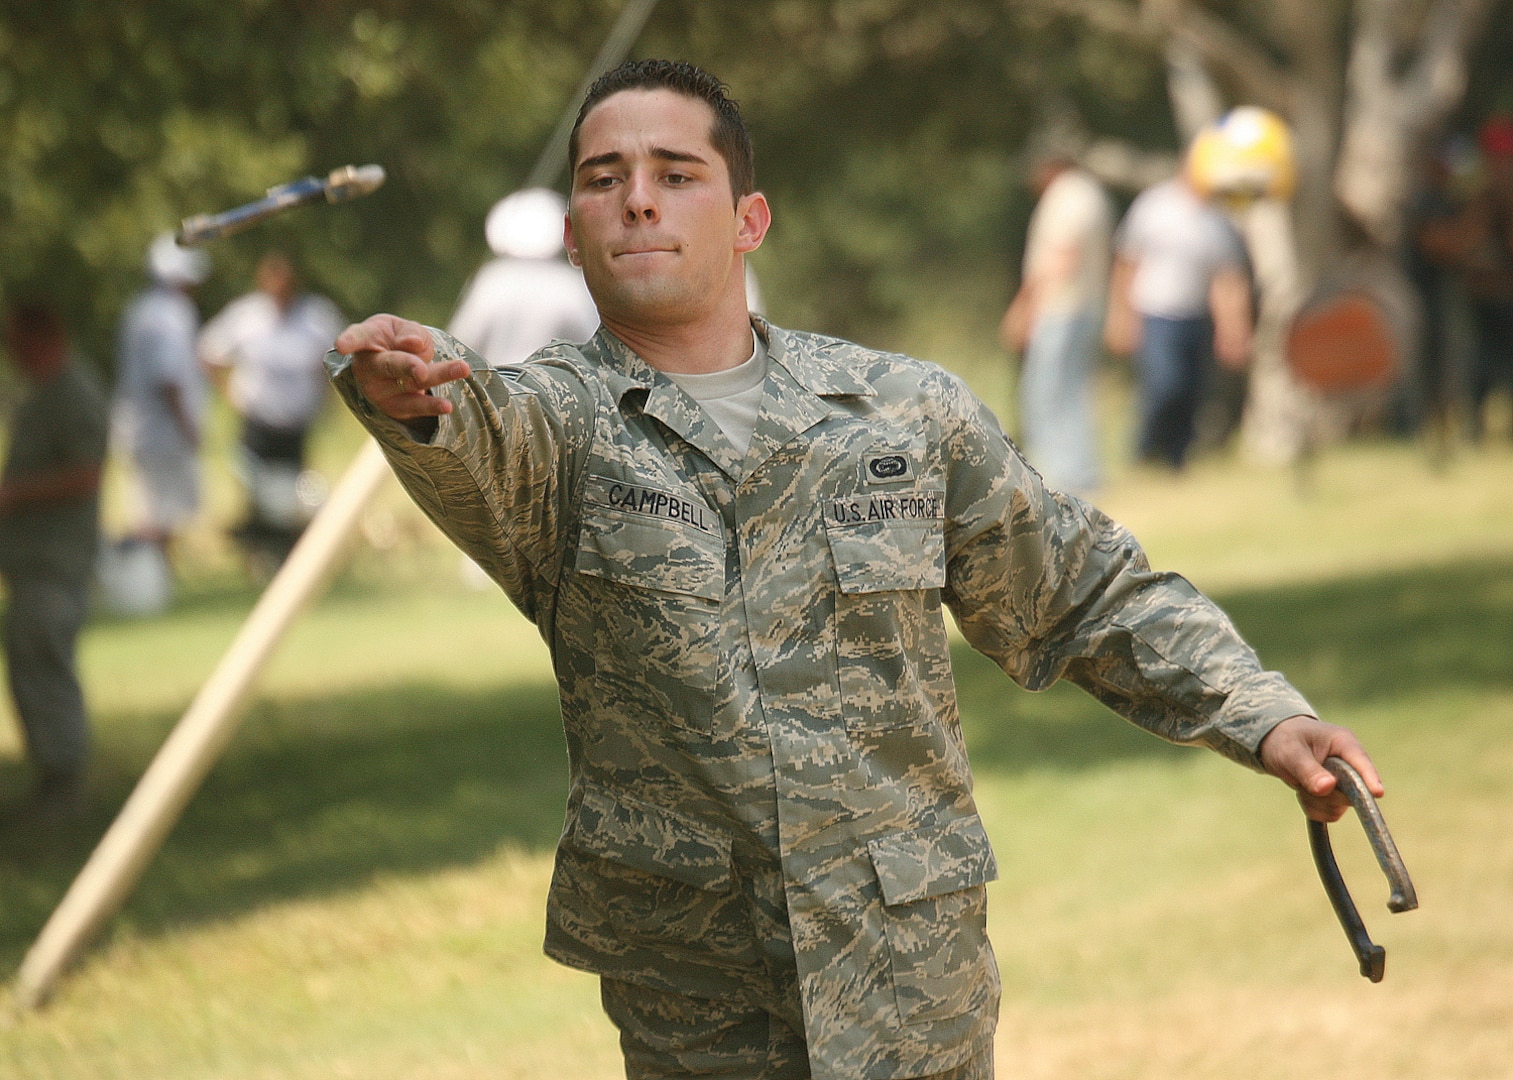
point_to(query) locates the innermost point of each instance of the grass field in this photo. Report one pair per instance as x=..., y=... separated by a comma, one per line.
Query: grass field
x=358, y=890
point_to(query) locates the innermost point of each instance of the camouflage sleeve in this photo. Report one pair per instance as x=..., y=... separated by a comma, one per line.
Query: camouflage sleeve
x=497, y=474
x=1049, y=587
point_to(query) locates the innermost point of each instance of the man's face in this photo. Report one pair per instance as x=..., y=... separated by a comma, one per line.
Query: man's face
x=652, y=219
x=275, y=276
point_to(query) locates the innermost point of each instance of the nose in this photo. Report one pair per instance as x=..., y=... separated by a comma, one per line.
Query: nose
x=640, y=205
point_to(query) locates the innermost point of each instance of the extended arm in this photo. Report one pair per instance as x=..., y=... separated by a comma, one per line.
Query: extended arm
x=490, y=455
x=1050, y=588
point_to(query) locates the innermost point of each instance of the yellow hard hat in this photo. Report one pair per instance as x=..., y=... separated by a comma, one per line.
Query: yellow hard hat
x=1246, y=154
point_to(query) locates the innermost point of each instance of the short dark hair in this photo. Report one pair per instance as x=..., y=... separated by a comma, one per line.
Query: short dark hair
x=729, y=134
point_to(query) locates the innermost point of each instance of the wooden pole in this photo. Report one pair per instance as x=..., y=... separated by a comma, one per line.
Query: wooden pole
x=627, y=28
x=197, y=740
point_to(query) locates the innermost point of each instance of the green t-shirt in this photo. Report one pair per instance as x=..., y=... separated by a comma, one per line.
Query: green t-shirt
x=61, y=423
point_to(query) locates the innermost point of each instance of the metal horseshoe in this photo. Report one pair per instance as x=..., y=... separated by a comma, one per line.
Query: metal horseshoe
x=1372, y=957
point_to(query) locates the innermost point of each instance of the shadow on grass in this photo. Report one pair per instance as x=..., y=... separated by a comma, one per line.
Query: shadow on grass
x=319, y=795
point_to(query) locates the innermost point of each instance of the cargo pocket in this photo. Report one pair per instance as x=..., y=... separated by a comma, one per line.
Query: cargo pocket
x=935, y=916
x=889, y=631
x=654, y=589
x=660, y=879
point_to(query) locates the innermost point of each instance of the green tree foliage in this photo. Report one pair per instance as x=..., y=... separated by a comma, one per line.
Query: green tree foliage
x=888, y=135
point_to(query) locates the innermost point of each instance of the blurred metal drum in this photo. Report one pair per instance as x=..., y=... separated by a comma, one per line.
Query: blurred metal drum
x=1345, y=341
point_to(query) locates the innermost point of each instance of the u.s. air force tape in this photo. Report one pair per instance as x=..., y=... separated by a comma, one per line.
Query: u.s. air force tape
x=886, y=506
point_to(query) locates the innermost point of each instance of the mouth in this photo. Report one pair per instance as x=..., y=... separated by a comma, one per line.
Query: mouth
x=644, y=251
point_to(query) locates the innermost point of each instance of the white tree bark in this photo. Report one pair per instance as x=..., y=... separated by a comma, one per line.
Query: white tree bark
x=1278, y=411
x=1402, y=85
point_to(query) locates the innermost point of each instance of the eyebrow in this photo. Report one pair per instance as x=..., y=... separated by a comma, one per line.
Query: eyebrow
x=661, y=153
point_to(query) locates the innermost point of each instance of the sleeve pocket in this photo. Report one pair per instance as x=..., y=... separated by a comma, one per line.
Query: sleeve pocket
x=935, y=915
x=913, y=866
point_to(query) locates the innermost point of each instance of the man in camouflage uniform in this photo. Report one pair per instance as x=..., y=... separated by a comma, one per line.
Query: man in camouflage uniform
x=771, y=854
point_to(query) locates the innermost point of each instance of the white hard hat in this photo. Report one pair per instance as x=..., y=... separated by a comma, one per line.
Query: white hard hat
x=527, y=224
x=173, y=265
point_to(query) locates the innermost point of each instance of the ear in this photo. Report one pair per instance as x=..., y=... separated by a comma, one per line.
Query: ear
x=567, y=241
x=753, y=219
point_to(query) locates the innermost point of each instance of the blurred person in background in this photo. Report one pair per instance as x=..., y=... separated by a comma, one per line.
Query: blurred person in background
x=737, y=541
x=158, y=414
x=1489, y=273
x=264, y=352
x=49, y=531
x=528, y=295
x=1180, y=296
x=1442, y=233
x=1053, y=322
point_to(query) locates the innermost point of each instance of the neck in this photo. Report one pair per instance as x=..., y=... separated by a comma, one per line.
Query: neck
x=717, y=342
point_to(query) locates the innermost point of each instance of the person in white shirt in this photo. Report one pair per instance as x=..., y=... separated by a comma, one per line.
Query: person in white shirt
x=528, y=295
x=265, y=351
x=1179, y=298
x=160, y=393
x=1053, y=323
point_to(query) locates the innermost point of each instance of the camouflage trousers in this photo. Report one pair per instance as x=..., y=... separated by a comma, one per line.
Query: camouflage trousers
x=665, y=1035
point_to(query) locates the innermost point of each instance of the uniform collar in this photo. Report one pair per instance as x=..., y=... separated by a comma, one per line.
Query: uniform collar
x=800, y=375
x=805, y=357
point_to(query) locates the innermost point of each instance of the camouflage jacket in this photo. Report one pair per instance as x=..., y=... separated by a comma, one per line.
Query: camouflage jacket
x=755, y=672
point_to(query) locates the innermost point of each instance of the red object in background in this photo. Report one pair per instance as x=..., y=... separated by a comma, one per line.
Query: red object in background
x=1496, y=137
x=1342, y=342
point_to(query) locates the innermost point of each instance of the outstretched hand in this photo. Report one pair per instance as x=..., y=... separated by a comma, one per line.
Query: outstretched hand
x=1294, y=752
x=394, y=367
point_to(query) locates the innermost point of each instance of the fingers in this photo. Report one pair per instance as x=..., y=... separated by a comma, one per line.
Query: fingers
x=399, y=384
x=1294, y=751
x=1325, y=808
x=385, y=333
x=392, y=364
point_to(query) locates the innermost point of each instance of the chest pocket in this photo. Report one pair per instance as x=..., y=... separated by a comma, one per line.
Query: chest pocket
x=653, y=587
x=890, y=565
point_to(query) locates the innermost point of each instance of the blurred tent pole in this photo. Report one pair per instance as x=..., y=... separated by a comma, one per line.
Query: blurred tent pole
x=554, y=154
x=202, y=733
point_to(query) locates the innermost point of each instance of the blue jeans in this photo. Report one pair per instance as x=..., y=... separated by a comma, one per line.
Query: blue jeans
x=1176, y=357
x=1056, y=401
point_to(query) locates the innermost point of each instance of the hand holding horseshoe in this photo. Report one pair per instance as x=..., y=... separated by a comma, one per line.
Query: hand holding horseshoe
x=1331, y=772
